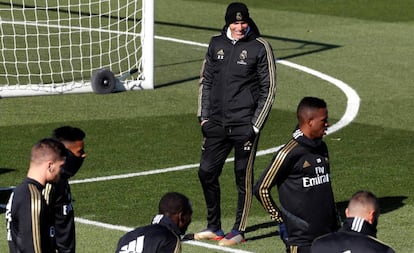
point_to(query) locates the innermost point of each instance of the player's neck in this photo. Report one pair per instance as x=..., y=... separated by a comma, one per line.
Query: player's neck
x=33, y=174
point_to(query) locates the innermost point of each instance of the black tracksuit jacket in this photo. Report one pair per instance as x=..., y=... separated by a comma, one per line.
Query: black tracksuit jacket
x=162, y=236
x=59, y=199
x=238, y=80
x=356, y=236
x=301, y=172
x=29, y=223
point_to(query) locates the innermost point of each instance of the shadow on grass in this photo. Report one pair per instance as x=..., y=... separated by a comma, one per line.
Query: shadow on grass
x=296, y=44
x=387, y=204
x=5, y=170
x=286, y=48
x=261, y=226
x=4, y=191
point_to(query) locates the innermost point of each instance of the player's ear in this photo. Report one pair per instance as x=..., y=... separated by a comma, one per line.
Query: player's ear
x=372, y=216
x=347, y=213
x=309, y=121
x=50, y=167
x=185, y=217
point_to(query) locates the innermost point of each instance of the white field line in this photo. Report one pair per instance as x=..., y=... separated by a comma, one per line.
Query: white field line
x=127, y=229
x=353, y=102
x=353, y=99
x=136, y=174
x=216, y=247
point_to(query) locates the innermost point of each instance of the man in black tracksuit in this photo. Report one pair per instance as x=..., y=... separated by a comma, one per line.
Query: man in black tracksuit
x=301, y=172
x=237, y=89
x=358, y=233
x=163, y=235
x=29, y=225
x=27, y=220
x=58, y=194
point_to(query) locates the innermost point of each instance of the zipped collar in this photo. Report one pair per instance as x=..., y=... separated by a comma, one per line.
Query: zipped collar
x=166, y=222
x=300, y=137
x=359, y=225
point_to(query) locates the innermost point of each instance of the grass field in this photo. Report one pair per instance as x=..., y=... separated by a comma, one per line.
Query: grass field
x=366, y=44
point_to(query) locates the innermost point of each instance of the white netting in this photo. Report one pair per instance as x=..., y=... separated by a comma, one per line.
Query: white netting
x=60, y=43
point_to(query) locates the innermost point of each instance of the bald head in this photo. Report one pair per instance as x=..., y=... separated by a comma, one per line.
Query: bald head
x=363, y=204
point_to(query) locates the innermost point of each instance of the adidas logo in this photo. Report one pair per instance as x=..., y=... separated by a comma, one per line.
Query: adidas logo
x=135, y=246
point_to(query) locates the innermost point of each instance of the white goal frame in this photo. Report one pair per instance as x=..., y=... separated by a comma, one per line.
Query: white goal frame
x=145, y=66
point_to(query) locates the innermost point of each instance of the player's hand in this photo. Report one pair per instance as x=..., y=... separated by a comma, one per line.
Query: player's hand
x=255, y=129
x=187, y=237
x=203, y=122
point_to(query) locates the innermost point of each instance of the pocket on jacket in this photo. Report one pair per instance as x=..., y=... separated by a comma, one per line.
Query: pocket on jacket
x=210, y=129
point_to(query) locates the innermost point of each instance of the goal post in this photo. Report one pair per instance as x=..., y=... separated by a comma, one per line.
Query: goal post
x=148, y=40
x=57, y=46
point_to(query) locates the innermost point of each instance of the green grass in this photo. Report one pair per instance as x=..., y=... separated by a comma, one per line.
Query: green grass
x=139, y=131
x=380, y=10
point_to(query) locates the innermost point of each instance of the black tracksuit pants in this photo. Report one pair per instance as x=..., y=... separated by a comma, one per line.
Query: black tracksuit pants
x=218, y=143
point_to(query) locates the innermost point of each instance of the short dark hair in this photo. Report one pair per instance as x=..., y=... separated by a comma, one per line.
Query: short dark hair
x=48, y=147
x=173, y=203
x=365, y=198
x=68, y=133
x=309, y=104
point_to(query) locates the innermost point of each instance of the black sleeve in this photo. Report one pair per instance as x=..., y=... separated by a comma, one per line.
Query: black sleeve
x=26, y=208
x=281, y=162
x=266, y=72
x=206, y=77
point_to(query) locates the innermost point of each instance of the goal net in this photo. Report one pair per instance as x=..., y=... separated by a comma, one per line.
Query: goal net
x=56, y=46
